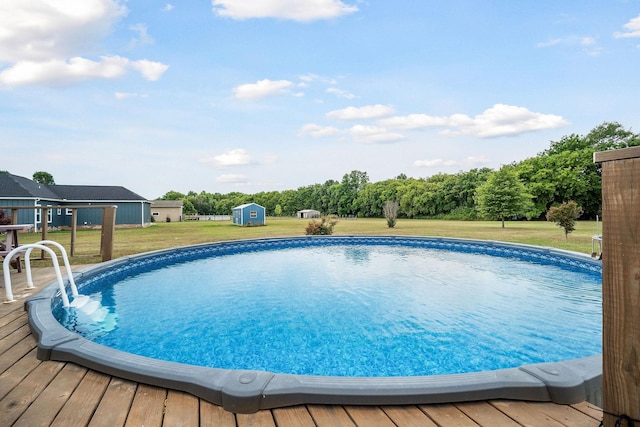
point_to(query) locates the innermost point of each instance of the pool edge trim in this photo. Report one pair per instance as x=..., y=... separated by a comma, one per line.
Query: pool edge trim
x=243, y=391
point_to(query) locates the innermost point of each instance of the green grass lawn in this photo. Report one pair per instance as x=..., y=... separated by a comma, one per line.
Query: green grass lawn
x=130, y=241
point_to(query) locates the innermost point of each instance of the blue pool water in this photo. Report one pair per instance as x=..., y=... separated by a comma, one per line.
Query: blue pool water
x=349, y=309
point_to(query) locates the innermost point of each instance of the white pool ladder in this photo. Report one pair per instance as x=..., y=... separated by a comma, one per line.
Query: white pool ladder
x=27, y=249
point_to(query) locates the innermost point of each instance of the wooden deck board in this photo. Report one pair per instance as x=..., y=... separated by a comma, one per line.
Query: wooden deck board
x=81, y=405
x=408, y=416
x=147, y=408
x=214, y=416
x=295, y=416
x=330, y=416
x=34, y=393
x=17, y=372
x=114, y=406
x=448, y=415
x=484, y=413
x=55, y=397
x=369, y=416
x=181, y=410
x=19, y=403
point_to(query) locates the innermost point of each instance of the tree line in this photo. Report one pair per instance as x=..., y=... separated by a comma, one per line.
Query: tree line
x=563, y=172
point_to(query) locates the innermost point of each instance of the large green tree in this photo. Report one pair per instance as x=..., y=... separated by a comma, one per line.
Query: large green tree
x=503, y=196
x=42, y=177
x=566, y=171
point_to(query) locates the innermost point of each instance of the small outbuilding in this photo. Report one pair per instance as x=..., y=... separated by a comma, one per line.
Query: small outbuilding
x=166, y=210
x=308, y=213
x=249, y=214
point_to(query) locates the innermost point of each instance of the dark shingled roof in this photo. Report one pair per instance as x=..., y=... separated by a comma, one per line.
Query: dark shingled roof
x=94, y=192
x=19, y=187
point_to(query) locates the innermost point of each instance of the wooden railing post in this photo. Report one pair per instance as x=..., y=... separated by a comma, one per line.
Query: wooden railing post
x=620, y=284
x=108, y=228
x=44, y=225
x=74, y=227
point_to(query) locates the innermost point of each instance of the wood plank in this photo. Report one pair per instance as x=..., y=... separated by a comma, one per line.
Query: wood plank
x=447, y=415
x=16, y=373
x=590, y=409
x=147, y=408
x=83, y=402
x=114, y=405
x=408, y=416
x=11, y=309
x=14, y=337
x=619, y=154
x=524, y=413
x=181, y=410
x=330, y=416
x=567, y=415
x=486, y=415
x=215, y=416
x=259, y=419
x=12, y=316
x=25, y=403
x=16, y=352
x=293, y=416
x=369, y=416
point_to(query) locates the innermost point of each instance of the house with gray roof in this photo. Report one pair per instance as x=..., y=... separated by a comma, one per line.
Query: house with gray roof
x=132, y=209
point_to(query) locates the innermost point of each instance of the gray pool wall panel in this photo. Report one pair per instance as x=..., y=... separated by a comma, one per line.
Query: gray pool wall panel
x=242, y=391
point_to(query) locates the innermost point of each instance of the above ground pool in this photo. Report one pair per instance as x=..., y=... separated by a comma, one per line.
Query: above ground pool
x=264, y=323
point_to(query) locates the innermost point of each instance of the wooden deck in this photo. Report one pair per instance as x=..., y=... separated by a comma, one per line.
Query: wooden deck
x=36, y=393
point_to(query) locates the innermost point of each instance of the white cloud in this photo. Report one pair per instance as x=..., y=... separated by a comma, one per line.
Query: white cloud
x=58, y=71
x=632, y=29
x=45, y=41
x=588, y=44
x=295, y=10
x=340, y=93
x=548, y=43
x=127, y=95
x=361, y=113
x=38, y=30
x=143, y=37
x=150, y=70
x=499, y=120
x=469, y=162
x=414, y=121
x=434, y=163
x=234, y=157
x=318, y=131
x=232, y=179
x=262, y=88
x=167, y=7
x=373, y=134
x=502, y=119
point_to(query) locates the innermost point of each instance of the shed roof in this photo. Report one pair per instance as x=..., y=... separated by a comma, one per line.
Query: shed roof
x=167, y=203
x=247, y=205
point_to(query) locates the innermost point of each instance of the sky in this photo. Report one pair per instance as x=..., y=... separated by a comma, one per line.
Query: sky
x=273, y=95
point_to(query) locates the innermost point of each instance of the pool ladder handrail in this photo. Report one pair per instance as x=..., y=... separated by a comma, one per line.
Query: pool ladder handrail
x=27, y=249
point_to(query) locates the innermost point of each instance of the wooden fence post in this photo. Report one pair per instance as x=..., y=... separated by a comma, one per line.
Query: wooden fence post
x=108, y=227
x=620, y=284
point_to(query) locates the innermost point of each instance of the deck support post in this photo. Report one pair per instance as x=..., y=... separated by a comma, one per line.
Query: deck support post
x=620, y=283
x=108, y=228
